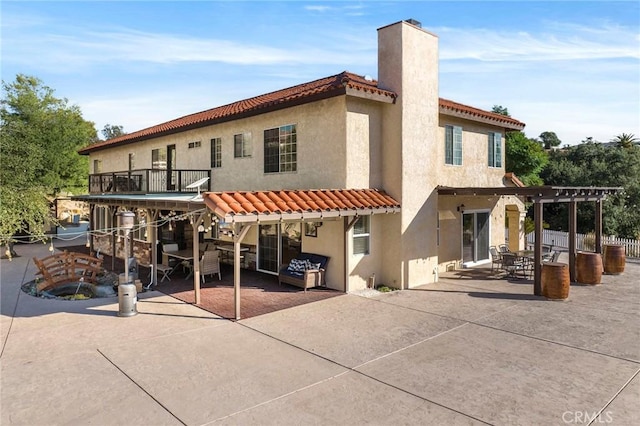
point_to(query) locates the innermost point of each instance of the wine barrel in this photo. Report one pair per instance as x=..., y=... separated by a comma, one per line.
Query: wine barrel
x=614, y=259
x=588, y=267
x=555, y=280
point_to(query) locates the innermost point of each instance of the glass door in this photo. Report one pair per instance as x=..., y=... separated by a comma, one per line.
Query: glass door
x=475, y=237
x=277, y=245
x=171, y=167
x=268, y=248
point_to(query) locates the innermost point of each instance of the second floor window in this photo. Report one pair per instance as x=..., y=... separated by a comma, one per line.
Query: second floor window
x=97, y=166
x=495, y=149
x=453, y=145
x=242, y=145
x=159, y=158
x=216, y=153
x=280, y=149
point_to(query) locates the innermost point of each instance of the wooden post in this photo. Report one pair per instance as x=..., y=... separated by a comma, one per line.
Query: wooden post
x=537, y=250
x=598, y=231
x=152, y=231
x=196, y=257
x=349, y=223
x=573, y=219
x=239, y=232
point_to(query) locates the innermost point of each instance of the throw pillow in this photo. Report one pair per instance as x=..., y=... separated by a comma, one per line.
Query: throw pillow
x=297, y=265
x=312, y=266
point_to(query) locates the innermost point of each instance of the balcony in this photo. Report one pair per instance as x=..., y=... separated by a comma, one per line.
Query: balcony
x=145, y=181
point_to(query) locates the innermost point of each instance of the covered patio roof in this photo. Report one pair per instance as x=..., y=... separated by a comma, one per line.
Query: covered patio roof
x=316, y=204
x=540, y=195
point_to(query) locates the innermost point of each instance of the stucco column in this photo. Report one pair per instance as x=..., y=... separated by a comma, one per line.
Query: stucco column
x=516, y=229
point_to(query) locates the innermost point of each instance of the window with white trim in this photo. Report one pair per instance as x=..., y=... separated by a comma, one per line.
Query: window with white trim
x=242, y=145
x=495, y=149
x=453, y=145
x=216, y=153
x=280, y=149
x=362, y=235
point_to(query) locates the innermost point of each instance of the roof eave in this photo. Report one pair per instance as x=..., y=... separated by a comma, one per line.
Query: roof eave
x=231, y=117
x=508, y=125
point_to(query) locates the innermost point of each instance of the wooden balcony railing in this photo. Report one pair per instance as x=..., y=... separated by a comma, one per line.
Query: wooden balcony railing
x=147, y=181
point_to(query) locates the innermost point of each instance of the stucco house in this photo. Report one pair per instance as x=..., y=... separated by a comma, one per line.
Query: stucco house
x=344, y=166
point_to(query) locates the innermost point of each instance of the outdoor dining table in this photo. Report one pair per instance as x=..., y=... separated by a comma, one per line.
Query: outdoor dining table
x=525, y=254
x=228, y=249
x=184, y=255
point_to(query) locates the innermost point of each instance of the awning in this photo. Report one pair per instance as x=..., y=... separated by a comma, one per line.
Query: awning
x=315, y=204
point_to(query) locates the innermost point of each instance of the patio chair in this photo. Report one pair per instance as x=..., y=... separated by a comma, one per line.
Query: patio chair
x=496, y=258
x=210, y=264
x=504, y=248
x=552, y=256
x=512, y=264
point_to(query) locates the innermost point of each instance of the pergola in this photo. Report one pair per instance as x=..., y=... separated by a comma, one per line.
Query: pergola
x=242, y=209
x=540, y=195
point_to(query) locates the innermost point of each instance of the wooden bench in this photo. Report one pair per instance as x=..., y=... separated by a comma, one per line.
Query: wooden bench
x=64, y=268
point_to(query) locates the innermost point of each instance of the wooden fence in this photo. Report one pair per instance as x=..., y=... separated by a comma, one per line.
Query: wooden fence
x=585, y=242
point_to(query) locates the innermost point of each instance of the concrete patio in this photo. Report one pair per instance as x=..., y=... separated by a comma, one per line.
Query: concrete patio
x=470, y=349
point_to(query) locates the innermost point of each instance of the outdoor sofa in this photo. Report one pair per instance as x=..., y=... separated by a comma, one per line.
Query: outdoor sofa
x=306, y=270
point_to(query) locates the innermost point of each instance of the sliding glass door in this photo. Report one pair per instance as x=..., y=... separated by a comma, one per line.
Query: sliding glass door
x=278, y=244
x=475, y=237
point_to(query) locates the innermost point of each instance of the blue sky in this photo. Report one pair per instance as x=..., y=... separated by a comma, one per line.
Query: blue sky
x=569, y=67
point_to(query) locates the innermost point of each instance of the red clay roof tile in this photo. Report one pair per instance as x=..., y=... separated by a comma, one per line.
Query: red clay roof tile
x=447, y=105
x=306, y=92
x=338, y=201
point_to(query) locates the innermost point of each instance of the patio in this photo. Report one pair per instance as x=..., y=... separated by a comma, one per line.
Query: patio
x=465, y=350
x=259, y=294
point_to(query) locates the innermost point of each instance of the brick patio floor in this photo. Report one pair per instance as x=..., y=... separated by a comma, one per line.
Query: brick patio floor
x=260, y=293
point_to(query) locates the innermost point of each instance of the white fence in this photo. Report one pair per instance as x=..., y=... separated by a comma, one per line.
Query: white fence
x=584, y=242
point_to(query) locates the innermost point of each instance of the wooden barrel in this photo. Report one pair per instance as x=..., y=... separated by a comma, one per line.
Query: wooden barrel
x=588, y=267
x=555, y=280
x=614, y=259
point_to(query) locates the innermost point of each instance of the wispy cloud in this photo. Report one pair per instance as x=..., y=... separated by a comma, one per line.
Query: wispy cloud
x=116, y=46
x=556, y=42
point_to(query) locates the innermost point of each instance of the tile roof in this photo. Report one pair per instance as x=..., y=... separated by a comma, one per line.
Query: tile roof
x=307, y=92
x=471, y=113
x=252, y=206
x=323, y=88
x=513, y=179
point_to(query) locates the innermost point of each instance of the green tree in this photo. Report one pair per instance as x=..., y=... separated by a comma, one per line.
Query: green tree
x=549, y=140
x=112, y=131
x=626, y=140
x=594, y=164
x=524, y=157
x=39, y=138
x=499, y=109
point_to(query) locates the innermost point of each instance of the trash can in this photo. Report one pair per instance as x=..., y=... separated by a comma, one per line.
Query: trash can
x=127, y=300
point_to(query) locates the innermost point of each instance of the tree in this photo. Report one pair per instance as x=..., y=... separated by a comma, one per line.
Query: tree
x=112, y=131
x=39, y=138
x=549, y=140
x=524, y=157
x=626, y=140
x=499, y=109
x=595, y=164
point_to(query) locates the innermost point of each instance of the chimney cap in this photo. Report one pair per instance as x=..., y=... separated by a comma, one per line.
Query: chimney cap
x=414, y=22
